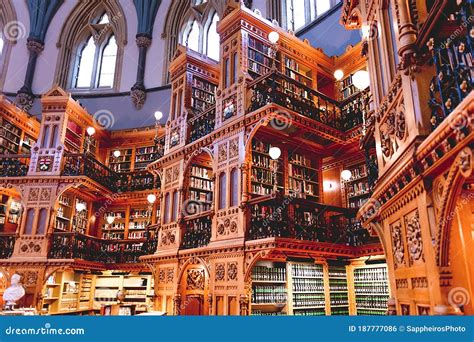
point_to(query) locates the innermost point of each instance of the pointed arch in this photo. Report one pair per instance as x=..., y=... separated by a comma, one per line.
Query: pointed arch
x=89, y=18
x=8, y=25
x=180, y=15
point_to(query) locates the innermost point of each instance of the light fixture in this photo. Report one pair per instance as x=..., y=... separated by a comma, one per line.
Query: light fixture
x=274, y=152
x=110, y=219
x=365, y=31
x=90, y=130
x=361, y=79
x=338, y=74
x=327, y=185
x=117, y=153
x=346, y=175
x=158, y=115
x=80, y=206
x=151, y=198
x=273, y=37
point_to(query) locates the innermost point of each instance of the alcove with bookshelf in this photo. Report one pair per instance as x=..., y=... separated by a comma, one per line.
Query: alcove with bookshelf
x=145, y=155
x=303, y=176
x=122, y=163
x=298, y=71
x=357, y=189
x=371, y=289
x=80, y=219
x=201, y=186
x=307, y=289
x=338, y=290
x=139, y=219
x=259, y=59
x=264, y=170
x=74, y=137
x=64, y=213
x=269, y=289
x=116, y=229
x=203, y=94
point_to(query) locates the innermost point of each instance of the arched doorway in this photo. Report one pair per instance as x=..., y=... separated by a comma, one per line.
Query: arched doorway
x=193, y=289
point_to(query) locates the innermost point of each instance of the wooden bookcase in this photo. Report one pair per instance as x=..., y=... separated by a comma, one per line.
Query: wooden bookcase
x=201, y=186
x=64, y=213
x=356, y=189
x=203, y=94
x=138, y=290
x=259, y=60
x=74, y=137
x=115, y=230
x=303, y=176
x=13, y=139
x=262, y=178
x=123, y=163
x=298, y=71
x=144, y=156
x=317, y=289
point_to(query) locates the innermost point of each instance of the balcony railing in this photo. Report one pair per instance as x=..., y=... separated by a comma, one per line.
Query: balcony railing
x=289, y=93
x=197, y=231
x=307, y=222
x=7, y=243
x=87, y=165
x=137, y=181
x=452, y=56
x=71, y=245
x=202, y=125
x=14, y=165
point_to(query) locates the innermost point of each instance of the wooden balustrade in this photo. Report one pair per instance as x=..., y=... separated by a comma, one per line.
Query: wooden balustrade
x=197, y=231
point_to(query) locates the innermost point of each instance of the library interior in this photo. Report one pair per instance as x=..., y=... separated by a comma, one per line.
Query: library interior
x=231, y=157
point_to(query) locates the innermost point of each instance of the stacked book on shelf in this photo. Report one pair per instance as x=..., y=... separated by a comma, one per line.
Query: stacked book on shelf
x=64, y=213
x=122, y=163
x=298, y=72
x=259, y=58
x=203, y=94
x=371, y=290
x=303, y=176
x=74, y=137
x=357, y=187
x=263, y=174
x=144, y=156
x=201, y=186
x=338, y=290
x=10, y=137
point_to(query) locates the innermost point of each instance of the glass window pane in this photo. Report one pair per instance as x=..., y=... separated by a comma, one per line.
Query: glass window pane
x=299, y=13
x=213, y=39
x=1, y=44
x=107, y=69
x=322, y=6
x=85, y=65
x=192, y=39
x=104, y=19
x=393, y=32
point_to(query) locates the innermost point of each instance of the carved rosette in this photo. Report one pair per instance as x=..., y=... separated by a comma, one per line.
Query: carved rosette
x=24, y=99
x=168, y=237
x=143, y=41
x=414, y=241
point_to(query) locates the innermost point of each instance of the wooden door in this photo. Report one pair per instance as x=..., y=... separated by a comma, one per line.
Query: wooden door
x=194, y=305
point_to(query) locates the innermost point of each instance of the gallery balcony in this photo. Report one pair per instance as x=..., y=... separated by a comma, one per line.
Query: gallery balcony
x=197, y=231
x=303, y=220
x=202, y=124
x=14, y=165
x=282, y=90
x=451, y=55
x=87, y=165
x=72, y=245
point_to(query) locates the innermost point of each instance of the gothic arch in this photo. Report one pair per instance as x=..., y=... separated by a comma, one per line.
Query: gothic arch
x=11, y=27
x=180, y=13
x=461, y=170
x=77, y=27
x=193, y=261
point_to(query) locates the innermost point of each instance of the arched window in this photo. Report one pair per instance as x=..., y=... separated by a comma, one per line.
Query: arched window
x=191, y=37
x=192, y=24
x=91, y=47
x=1, y=41
x=234, y=187
x=166, y=218
x=213, y=39
x=9, y=32
x=95, y=66
x=222, y=190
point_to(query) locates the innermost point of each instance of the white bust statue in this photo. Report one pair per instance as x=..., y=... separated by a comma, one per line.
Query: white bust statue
x=13, y=293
